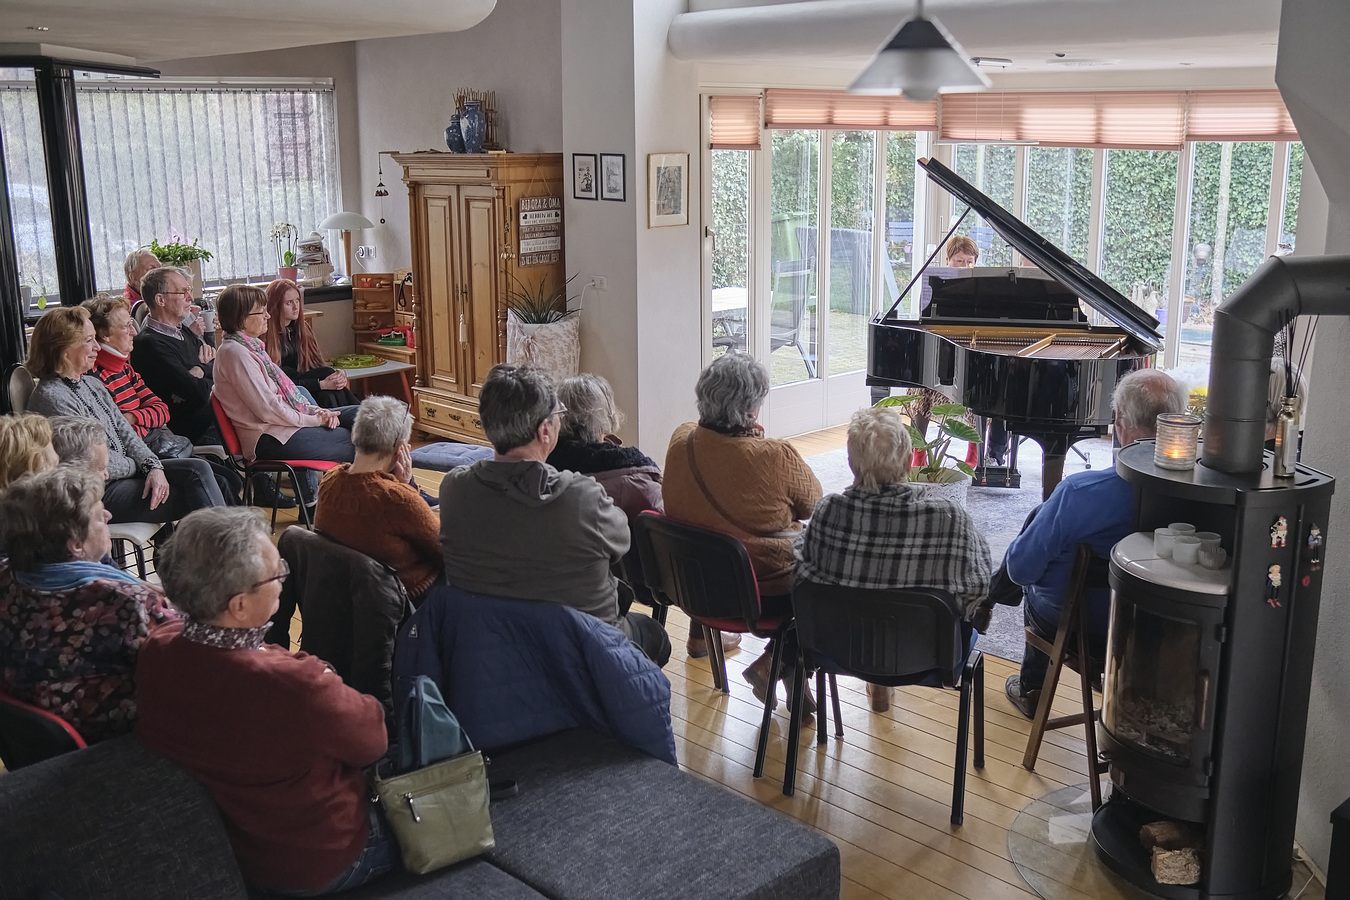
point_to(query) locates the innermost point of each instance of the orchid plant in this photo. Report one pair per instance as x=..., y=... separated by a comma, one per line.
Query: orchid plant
x=284, y=235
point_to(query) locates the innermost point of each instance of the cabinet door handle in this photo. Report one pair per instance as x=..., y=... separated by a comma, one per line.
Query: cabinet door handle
x=463, y=331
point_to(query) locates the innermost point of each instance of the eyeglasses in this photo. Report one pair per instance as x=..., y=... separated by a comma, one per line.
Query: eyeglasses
x=285, y=571
x=175, y=293
x=261, y=312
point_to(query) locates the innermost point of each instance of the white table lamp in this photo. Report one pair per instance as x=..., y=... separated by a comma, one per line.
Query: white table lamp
x=346, y=222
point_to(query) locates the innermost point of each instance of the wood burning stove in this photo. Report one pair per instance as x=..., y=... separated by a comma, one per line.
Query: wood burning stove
x=1208, y=672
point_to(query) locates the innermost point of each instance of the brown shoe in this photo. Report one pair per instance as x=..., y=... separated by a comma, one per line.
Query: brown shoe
x=880, y=697
x=757, y=676
x=808, y=702
x=697, y=647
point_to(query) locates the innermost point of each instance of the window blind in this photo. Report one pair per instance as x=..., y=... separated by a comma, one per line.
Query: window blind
x=1140, y=120
x=788, y=109
x=735, y=122
x=1238, y=116
x=219, y=163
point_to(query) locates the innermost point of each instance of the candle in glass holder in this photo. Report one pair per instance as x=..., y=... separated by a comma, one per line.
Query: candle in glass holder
x=1178, y=435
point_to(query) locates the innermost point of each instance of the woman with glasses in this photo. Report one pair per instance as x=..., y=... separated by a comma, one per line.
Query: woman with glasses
x=273, y=418
x=70, y=626
x=275, y=736
x=140, y=487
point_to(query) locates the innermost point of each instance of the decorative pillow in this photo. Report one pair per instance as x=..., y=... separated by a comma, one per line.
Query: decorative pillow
x=448, y=455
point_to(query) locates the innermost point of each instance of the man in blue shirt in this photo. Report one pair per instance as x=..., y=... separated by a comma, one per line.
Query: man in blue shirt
x=1095, y=507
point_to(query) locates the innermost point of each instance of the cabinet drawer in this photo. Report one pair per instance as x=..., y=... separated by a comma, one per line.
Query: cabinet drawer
x=458, y=416
x=372, y=301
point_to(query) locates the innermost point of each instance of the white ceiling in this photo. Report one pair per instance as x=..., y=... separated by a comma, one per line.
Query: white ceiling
x=151, y=31
x=1090, y=34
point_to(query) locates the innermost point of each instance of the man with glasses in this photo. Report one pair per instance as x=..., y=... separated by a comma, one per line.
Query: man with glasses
x=514, y=526
x=172, y=358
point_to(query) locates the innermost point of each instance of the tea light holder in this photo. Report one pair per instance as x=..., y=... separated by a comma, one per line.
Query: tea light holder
x=1178, y=439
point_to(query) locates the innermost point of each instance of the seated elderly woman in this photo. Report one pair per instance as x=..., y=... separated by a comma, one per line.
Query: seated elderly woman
x=370, y=506
x=887, y=532
x=25, y=447
x=724, y=474
x=273, y=419
x=291, y=344
x=71, y=626
x=79, y=441
x=140, y=487
x=275, y=736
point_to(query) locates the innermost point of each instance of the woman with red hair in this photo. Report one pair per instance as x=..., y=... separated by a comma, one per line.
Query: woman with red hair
x=291, y=344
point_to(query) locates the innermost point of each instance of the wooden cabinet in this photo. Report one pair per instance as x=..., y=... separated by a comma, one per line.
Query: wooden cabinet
x=464, y=212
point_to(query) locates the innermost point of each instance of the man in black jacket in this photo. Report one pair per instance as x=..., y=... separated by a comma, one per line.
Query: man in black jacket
x=172, y=358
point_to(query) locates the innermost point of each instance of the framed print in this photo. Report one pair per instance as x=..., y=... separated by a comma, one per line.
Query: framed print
x=585, y=180
x=667, y=189
x=612, y=177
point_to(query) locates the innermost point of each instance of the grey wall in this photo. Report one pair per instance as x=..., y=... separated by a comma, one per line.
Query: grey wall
x=405, y=96
x=1314, y=89
x=335, y=61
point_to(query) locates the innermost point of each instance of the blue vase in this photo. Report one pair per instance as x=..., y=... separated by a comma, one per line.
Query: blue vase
x=473, y=124
x=454, y=137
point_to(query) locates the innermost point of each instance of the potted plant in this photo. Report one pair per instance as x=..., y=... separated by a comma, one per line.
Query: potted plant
x=184, y=256
x=541, y=330
x=941, y=473
x=284, y=235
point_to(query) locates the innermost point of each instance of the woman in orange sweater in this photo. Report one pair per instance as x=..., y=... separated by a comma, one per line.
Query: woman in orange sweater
x=370, y=506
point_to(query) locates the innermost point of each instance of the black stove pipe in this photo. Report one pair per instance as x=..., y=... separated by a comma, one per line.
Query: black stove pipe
x=1245, y=326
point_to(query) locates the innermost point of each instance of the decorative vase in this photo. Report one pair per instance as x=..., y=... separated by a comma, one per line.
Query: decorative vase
x=454, y=137
x=473, y=124
x=288, y=273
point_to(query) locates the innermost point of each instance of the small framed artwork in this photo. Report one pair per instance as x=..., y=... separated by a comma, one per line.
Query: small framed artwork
x=612, y=177
x=585, y=180
x=667, y=189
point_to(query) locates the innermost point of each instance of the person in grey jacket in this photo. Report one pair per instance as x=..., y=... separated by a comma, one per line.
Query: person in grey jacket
x=139, y=487
x=514, y=526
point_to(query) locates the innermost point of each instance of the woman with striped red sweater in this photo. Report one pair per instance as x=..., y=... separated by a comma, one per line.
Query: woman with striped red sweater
x=144, y=411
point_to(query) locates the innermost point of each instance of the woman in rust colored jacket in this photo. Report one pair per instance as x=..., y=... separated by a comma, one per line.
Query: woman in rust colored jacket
x=724, y=474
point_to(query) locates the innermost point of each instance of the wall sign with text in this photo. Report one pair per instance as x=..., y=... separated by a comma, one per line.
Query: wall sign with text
x=540, y=230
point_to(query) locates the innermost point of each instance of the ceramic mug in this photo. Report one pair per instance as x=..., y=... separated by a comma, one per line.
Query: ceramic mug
x=1186, y=549
x=1209, y=540
x=1163, y=539
x=1213, y=558
x=1182, y=527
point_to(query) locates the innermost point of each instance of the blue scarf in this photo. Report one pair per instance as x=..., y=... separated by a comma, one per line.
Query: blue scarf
x=68, y=576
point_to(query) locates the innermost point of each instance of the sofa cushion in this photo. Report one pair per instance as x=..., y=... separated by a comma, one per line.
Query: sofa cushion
x=587, y=803
x=447, y=455
x=112, y=821
x=471, y=880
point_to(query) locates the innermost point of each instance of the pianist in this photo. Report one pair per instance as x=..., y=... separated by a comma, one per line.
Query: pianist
x=1094, y=507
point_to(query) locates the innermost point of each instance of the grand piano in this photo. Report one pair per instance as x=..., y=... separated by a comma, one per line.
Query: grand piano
x=1015, y=343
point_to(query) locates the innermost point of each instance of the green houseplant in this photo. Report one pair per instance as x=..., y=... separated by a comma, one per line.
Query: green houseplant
x=936, y=470
x=177, y=253
x=536, y=304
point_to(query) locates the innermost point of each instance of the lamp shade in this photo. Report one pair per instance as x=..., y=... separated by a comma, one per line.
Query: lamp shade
x=346, y=221
x=919, y=60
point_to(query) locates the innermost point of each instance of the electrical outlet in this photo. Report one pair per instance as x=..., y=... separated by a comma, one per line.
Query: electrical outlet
x=365, y=252
x=599, y=283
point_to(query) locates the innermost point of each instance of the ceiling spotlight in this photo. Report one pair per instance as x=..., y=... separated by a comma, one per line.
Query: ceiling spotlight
x=990, y=62
x=920, y=59
x=38, y=28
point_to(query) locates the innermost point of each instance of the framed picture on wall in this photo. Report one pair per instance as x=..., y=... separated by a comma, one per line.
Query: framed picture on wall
x=585, y=180
x=667, y=189
x=612, y=177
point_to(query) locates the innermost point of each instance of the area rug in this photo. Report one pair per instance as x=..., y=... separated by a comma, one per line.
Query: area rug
x=999, y=514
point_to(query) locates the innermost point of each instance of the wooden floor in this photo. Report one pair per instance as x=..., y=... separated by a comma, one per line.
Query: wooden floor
x=820, y=441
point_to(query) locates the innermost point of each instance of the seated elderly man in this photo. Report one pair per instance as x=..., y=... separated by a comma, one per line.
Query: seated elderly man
x=887, y=532
x=173, y=358
x=514, y=526
x=138, y=264
x=1095, y=507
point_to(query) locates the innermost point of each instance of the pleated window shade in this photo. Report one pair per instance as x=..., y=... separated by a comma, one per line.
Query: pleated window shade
x=1142, y=120
x=785, y=108
x=735, y=122
x=1238, y=116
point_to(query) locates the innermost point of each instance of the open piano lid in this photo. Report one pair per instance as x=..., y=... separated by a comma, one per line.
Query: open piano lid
x=1050, y=259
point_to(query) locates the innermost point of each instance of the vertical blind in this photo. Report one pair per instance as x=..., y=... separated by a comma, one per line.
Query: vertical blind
x=735, y=122
x=218, y=163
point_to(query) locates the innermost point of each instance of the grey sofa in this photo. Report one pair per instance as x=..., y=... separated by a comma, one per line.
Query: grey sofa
x=594, y=818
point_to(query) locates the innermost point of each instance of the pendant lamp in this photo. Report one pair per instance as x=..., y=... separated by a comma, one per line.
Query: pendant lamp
x=920, y=59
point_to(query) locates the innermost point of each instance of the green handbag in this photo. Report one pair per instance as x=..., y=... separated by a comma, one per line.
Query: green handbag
x=439, y=814
x=438, y=806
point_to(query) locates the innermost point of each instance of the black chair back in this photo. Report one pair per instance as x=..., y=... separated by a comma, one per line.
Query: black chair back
x=881, y=635
x=29, y=735
x=705, y=573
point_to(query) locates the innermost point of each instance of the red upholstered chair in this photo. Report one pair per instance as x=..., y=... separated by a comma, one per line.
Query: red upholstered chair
x=708, y=575
x=248, y=469
x=29, y=735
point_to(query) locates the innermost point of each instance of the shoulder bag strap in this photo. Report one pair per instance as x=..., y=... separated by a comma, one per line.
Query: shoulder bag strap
x=703, y=486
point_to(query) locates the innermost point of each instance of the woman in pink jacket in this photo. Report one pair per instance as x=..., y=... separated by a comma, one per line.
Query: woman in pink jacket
x=273, y=419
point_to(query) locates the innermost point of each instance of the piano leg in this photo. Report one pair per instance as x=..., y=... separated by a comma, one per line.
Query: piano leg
x=1052, y=472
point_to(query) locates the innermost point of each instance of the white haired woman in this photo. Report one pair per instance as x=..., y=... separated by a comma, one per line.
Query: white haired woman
x=370, y=506
x=886, y=532
x=70, y=626
x=722, y=473
x=275, y=737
